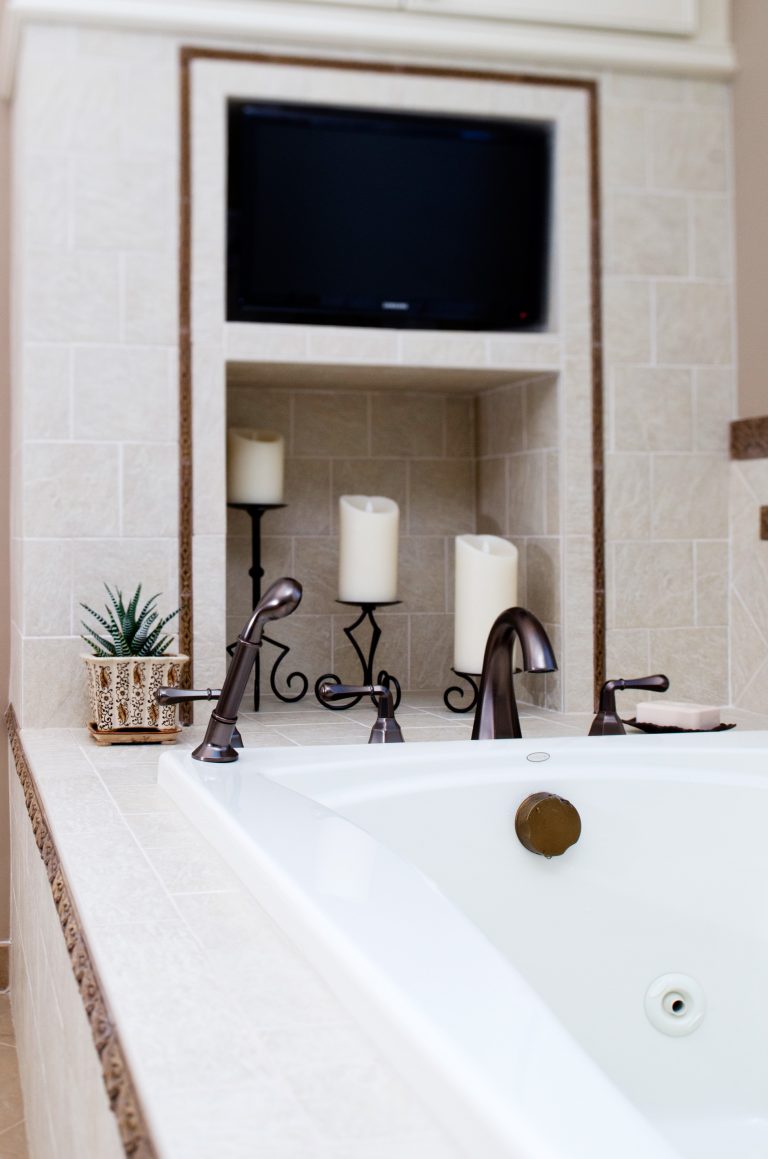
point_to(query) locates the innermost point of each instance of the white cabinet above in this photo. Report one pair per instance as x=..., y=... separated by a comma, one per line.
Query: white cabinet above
x=674, y=37
x=359, y=3
x=665, y=17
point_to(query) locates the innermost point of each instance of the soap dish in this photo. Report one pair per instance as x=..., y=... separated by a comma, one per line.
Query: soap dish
x=645, y=726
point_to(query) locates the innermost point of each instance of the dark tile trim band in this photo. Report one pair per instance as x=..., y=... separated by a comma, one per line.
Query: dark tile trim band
x=118, y=1082
x=189, y=54
x=749, y=438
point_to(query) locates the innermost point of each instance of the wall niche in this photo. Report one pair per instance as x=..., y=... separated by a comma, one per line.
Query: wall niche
x=459, y=454
x=468, y=431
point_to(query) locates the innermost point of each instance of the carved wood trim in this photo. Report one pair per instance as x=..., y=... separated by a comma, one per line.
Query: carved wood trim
x=187, y=55
x=118, y=1081
x=749, y=438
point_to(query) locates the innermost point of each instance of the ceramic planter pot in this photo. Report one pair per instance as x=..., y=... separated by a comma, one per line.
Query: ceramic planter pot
x=122, y=690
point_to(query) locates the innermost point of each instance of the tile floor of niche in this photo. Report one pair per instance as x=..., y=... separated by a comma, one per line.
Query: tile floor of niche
x=422, y=717
x=13, y=1139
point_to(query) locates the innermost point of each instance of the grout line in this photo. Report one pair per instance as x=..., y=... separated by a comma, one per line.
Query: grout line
x=291, y=424
x=202, y=892
x=71, y=393
x=121, y=303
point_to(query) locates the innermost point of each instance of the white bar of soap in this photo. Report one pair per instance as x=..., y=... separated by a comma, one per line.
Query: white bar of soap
x=677, y=714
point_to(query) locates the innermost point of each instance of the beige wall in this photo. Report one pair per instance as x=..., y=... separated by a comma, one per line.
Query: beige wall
x=5, y=392
x=91, y=273
x=518, y=496
x=670, y=389
x=751, y=179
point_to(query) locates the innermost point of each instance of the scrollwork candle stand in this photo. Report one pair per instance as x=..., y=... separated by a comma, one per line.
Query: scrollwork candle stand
x=366, y=660
x=256, y=572
x=471, y=679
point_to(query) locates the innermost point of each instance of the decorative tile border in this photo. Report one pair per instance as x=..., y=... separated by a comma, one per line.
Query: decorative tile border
x=118, y=1081
x=749, y=438
x=187, y=56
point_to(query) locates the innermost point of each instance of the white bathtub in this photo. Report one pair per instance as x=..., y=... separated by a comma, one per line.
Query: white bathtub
x=508, y=989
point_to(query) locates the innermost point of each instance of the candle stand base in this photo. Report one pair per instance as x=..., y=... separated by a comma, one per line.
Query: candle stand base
x=255, y=511
x=456, y=689
x=284, y=649
x=366, y=660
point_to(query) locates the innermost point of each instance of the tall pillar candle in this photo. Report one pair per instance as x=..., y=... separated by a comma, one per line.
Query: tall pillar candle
x=368, y=541
x=255, y=461
x=486, y=584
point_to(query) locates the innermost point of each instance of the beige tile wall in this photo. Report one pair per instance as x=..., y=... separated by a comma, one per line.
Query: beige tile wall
x=519, y=497
x=95, y=335
x=670, y=381
x=749, y=590
x=94, y=365
x=486, y=462
x=418, y=449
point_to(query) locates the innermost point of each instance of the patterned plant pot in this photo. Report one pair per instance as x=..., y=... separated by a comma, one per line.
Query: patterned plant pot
x=122, y=690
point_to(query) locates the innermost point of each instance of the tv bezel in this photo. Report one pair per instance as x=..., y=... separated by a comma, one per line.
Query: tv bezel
x=238, y=311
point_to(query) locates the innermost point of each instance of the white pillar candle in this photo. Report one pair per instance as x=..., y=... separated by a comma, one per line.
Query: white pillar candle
x=486, y=584
x=368, y=530
x=254, y=466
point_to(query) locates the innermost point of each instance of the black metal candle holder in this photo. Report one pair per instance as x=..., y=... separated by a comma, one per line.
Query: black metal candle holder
x=472, y=679
x=256, y=572
x=366, y=660
x=456, y=689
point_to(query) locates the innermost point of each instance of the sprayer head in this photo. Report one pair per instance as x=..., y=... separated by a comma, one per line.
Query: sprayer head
x=279, y=600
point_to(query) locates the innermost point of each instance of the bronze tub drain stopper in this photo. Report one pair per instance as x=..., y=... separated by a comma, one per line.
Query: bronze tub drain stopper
x=547, y=824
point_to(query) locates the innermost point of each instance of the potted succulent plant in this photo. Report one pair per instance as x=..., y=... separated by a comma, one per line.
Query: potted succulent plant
x=128, y=663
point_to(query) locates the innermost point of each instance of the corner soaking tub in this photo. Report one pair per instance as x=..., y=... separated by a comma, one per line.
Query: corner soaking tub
x=608, y=1003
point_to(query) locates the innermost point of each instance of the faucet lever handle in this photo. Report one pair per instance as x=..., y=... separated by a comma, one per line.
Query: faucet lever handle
x=166, y=695
x=607, y=722
x=386, y=730
x=657, y=683
x=329, y=691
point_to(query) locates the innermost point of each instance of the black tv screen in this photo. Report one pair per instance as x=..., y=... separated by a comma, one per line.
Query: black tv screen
x=340, y=216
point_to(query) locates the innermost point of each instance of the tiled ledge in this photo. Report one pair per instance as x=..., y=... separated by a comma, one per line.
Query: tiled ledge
x=749, y=438
x=233, y=1041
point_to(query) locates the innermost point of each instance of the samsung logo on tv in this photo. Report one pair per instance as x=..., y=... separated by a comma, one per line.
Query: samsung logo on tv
x=395, y=305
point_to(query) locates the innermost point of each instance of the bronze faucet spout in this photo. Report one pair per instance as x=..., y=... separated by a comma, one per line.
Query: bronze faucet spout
x=496, y=715
x=279, y=600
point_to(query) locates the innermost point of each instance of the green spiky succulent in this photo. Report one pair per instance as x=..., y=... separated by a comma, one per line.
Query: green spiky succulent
x=128, y=631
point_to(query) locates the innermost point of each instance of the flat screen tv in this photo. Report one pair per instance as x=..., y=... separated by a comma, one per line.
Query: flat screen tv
x=342, y=216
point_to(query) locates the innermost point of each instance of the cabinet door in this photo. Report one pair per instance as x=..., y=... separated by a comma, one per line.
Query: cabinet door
x=664, y=17
x=358, y=3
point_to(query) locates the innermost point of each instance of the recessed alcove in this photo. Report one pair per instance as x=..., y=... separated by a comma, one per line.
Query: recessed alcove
x=459, y=453
x=468, y=431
